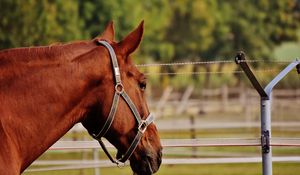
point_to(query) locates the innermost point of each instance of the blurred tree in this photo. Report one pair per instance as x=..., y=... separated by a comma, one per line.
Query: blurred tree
x=216, y=29
x=261, y=25
x=190, y=29
x=174, y=29
x=127, y=14
x=33, y=22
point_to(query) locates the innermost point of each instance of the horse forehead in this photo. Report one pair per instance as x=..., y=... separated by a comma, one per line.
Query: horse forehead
x=131, y=68
x=133, y=71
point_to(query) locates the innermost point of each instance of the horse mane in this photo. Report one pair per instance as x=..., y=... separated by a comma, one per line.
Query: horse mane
x=55, y=52
x=17, y=62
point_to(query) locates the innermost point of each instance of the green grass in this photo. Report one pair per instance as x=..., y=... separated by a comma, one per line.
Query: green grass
x=229, y=169
x=209, y=169
x=204, y=152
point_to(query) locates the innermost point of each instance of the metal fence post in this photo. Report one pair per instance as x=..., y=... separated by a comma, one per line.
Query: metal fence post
x=266, y=97
x=266, y=136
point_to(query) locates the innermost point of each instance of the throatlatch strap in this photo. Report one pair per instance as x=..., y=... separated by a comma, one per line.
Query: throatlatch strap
x=109, y=119
x=106, y=152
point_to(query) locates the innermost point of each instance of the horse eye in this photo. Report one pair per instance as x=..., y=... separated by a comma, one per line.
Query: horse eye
x=143, y=85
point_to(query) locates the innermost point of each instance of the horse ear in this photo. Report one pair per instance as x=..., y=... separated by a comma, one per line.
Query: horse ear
x=109, y=32
x=132, y=40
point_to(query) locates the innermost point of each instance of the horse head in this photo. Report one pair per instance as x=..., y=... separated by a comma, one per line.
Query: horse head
x=121, y=114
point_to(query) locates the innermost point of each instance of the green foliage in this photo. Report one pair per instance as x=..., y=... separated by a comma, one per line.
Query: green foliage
x=260, y=25
x=190, y=29
x=218, y=28
x=32, y=22
x=126, y=15
x=175, y=30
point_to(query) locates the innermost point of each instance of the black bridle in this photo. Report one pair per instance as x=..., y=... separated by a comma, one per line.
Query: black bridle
x=120, y=92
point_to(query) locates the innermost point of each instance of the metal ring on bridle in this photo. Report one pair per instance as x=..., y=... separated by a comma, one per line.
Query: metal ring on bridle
x=120, y=164
x=119, y=88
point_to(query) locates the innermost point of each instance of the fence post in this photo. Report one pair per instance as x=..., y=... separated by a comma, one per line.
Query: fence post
x=224, y=94
x=162, y=101
x=245, y=102
x=266, y=95
x=266, y=135
x=96, y=160
x=242, y=97
x=193, y=134
x=184, y=100
x=298, y=95
x=248, y=106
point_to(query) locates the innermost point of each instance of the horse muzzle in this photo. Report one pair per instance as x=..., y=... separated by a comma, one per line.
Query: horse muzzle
x=148, y=163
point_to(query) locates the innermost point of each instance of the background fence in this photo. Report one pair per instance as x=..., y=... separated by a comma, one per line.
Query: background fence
x=224, y=100
x=208, y=126
x=221, y=142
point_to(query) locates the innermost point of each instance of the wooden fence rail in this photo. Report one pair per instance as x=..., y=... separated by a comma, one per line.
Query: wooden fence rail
x=216, y=142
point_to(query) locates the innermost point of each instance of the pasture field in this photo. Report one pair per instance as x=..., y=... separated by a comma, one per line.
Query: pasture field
x=217, y=169
x=202, y=152
x=279, y=168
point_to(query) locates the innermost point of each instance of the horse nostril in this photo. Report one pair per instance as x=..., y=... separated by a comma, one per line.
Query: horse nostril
x=159, y=157
x=149, y=158
x=159, y=153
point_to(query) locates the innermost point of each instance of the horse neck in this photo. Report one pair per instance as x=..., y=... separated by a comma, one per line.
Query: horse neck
x=45, y=103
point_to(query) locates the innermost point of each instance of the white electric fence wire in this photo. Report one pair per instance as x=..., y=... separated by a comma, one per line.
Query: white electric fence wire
x=203, y=72
x=282, y=61
x=184, y=63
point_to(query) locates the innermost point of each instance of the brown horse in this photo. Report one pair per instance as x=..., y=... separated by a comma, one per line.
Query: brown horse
x=44, y=91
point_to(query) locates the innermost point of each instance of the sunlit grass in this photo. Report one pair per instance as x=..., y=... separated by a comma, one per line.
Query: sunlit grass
x=200, y=152
x=209, y=169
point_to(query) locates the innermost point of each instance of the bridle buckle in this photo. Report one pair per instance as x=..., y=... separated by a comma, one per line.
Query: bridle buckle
x=143, y=126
